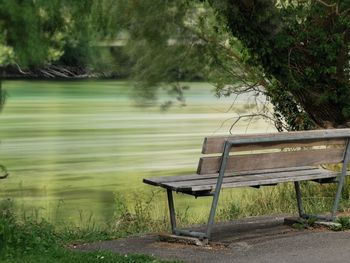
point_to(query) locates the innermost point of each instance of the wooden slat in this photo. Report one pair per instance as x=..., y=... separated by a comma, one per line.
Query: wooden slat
x=249, y=180
x=254, y=177
x=217, y=147
x=245, y=162
x=263, y=181
x=182, y=178
x=215, y=144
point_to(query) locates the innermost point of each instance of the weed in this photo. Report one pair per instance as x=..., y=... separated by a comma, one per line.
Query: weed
x=138, y=219
x=344, y=221
x=336, y=228
x=230, y=211
x=311, y=221
x=300, y=226
x=24, y=237
x=305, y=223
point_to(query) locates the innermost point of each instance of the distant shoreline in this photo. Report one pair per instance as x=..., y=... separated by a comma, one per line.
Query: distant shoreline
x=57, y=72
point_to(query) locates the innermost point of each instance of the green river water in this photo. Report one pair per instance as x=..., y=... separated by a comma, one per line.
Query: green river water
x=71, y=146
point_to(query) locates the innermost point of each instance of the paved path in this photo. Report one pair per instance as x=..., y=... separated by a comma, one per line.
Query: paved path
x=263, y=239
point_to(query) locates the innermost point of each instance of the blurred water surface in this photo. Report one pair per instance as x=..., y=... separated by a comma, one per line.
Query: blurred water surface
x=71, y=146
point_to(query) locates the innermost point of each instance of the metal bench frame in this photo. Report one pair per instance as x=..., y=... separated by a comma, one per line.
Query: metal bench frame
x=225, y=155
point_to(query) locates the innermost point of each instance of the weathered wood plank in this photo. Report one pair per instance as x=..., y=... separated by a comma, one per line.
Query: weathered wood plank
x=182, y=178
x=264, y=181
x=250, y=180
x=215, y=144
x=237, y=163
x=253, y=177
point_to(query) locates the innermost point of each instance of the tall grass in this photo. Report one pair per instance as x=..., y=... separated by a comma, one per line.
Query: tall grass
x=25, y=237
x=28, y=240
x=25, y=232
x=149, y=213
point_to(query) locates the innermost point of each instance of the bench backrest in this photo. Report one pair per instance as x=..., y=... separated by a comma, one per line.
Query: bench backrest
x=275, y=150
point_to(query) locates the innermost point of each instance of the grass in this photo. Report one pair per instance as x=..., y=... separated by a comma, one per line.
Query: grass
x=29, y=238
x=33, y=241
x=65, y=256
x=344, y=224
x=150, y=213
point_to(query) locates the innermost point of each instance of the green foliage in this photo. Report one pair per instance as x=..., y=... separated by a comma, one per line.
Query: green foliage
x=6, y=54
x=311, y=221
x=92, y=23
x=145, y=215
x=344, y=221
x=24, y=237
x=38, y=241
x=32, y=31
x=295, y=52
x=229, y=212
x=65, y=256
x=137, y=219
x=336, y=228
x=190, y=44
x=300, y=226
x=39, y=33
x=286, y=111
x=36, y=33
x=302, y=223
x=303, y=49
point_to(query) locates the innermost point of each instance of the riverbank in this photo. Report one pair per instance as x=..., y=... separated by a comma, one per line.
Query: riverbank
x=26, y=239
x=57, y=73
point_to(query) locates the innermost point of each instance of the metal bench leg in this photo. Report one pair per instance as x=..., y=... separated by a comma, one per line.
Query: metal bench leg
x=341, y=180
x=301, y=210
x=214, y=204
x=299, y=200
x=174, y=230
x=302, y=214
x=171, y=210
x=212, y=212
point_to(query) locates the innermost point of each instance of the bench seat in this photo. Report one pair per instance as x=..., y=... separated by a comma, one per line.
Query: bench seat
x=196, y=184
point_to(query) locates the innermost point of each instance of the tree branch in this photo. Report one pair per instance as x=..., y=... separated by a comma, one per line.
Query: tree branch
x=4, y=172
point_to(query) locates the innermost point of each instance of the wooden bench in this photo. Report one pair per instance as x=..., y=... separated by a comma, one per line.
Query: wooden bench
x=259, y=160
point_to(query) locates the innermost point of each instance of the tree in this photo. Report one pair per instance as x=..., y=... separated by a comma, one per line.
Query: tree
x=303, y=48
x=37, y=33
x=191, y=44
x=31, y=34
x=295, y=52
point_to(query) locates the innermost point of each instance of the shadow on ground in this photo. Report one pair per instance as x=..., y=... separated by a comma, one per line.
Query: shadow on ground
x=260, y=239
